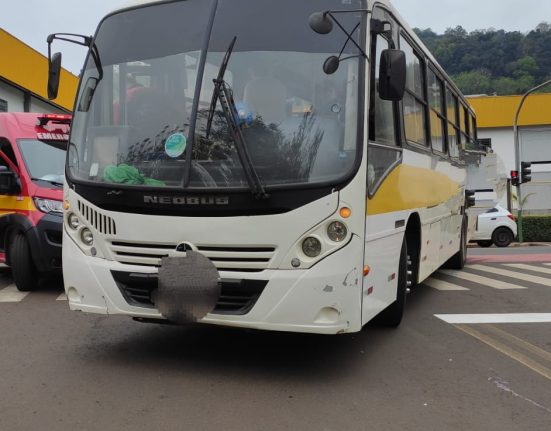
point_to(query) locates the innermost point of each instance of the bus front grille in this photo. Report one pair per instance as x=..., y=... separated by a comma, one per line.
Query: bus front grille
x=100, y=222
x=237, y=297
x=225, y=258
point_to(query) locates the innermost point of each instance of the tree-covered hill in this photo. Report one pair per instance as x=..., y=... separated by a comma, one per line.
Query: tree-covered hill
x=493, y=61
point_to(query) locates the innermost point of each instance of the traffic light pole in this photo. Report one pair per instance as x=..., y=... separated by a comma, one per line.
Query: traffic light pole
x=518, y=156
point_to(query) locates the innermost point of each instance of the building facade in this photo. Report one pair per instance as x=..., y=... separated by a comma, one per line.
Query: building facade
x=495, y=121
x=23, y=80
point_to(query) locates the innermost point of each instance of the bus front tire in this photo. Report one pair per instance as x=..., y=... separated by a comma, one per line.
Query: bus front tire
x=392, y=315
x=24, y=272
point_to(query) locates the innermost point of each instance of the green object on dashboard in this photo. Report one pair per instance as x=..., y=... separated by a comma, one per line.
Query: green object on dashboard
x=126, y=174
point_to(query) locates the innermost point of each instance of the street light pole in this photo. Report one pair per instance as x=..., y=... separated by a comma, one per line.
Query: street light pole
x=518, y=155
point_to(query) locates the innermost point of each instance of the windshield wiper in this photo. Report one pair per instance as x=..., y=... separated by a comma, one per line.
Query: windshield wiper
x=55, y=183
x=216, y=92
x=223, y=92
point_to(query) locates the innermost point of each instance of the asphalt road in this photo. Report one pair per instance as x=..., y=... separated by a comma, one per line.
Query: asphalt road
x=61, y=370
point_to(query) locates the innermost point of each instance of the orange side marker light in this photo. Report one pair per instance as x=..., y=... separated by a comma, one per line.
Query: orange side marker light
x=345, y=212
x=366, y=270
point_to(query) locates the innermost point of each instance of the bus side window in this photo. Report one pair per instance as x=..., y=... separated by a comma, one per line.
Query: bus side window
x=436, y=112
x=382, y=130
x=453, y=129
x=382, y=125
x=415, y=105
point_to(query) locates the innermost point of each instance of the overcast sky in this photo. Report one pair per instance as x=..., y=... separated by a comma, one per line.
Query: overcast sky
x=32, y=20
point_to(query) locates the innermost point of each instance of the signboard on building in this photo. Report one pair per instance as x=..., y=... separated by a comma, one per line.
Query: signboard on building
x=536, y=144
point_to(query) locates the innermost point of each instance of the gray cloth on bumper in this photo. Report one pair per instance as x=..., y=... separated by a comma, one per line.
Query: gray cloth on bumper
x=189, y=287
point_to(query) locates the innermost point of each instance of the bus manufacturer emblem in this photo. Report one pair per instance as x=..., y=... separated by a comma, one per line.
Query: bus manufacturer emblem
x=186, y=200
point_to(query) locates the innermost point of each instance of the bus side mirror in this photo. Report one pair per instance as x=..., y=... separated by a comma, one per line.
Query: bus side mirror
x=9, y=182
x=54, y=71
x=392, y=75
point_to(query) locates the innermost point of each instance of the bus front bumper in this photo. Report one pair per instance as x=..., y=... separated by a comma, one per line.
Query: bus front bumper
x=324, y=299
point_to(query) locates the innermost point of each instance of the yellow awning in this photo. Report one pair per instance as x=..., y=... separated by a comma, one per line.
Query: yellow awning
x=27, y=68
x=499, y=111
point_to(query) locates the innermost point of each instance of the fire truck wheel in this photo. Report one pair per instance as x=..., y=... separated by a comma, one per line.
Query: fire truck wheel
x=24, y=272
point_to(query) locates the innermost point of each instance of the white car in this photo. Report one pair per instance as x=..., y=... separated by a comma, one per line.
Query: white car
x=495, y=226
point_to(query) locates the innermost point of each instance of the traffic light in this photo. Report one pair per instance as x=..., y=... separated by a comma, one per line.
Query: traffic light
x=525, y=172
x=514, y=178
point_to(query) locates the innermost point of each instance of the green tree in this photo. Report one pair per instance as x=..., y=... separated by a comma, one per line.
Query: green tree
x=474, y=82
x=490, y=60
x=526, y=66
x=504, y=85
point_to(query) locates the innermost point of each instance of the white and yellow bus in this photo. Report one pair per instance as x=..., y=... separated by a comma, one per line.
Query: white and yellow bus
x=290, y=165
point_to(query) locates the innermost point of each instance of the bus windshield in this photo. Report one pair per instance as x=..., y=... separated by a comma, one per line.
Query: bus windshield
x=142, y=119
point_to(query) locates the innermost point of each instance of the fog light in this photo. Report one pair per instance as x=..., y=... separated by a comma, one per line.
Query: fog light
x=337, y=231
x=311, y=247
x=73, y=221
x=73, y=295
x=86, y=236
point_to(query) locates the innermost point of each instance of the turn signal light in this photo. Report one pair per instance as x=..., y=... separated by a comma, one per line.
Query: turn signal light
x=345, y=212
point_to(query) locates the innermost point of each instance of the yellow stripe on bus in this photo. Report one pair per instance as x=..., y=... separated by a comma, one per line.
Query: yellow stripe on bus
x=409, y=187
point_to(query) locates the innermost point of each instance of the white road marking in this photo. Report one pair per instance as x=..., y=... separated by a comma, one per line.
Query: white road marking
x=442, y=285
x=458, y=319
x=529, y=267
x=485, y=281
x=11, y=294
x=62, y=297
x=513, y=274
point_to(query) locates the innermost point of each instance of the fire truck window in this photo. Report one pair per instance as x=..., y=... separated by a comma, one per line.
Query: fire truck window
x=7, y=151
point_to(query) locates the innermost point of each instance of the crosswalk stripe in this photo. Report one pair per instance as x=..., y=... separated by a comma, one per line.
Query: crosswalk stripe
x=62, y=297
x=11, y=294
x=477, y=319
x=513, y=274
x=529, y=267
x=485, y=281
x=442, y=285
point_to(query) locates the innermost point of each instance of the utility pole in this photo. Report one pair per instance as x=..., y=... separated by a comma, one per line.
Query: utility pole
x=518, y=156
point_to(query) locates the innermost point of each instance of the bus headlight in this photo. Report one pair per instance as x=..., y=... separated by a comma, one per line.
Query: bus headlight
x=311, y=247
x=73, y=221
x=337, y=231
x=87, y=237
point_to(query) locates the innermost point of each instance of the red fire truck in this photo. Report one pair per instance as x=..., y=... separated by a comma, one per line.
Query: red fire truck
x=32, y=159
